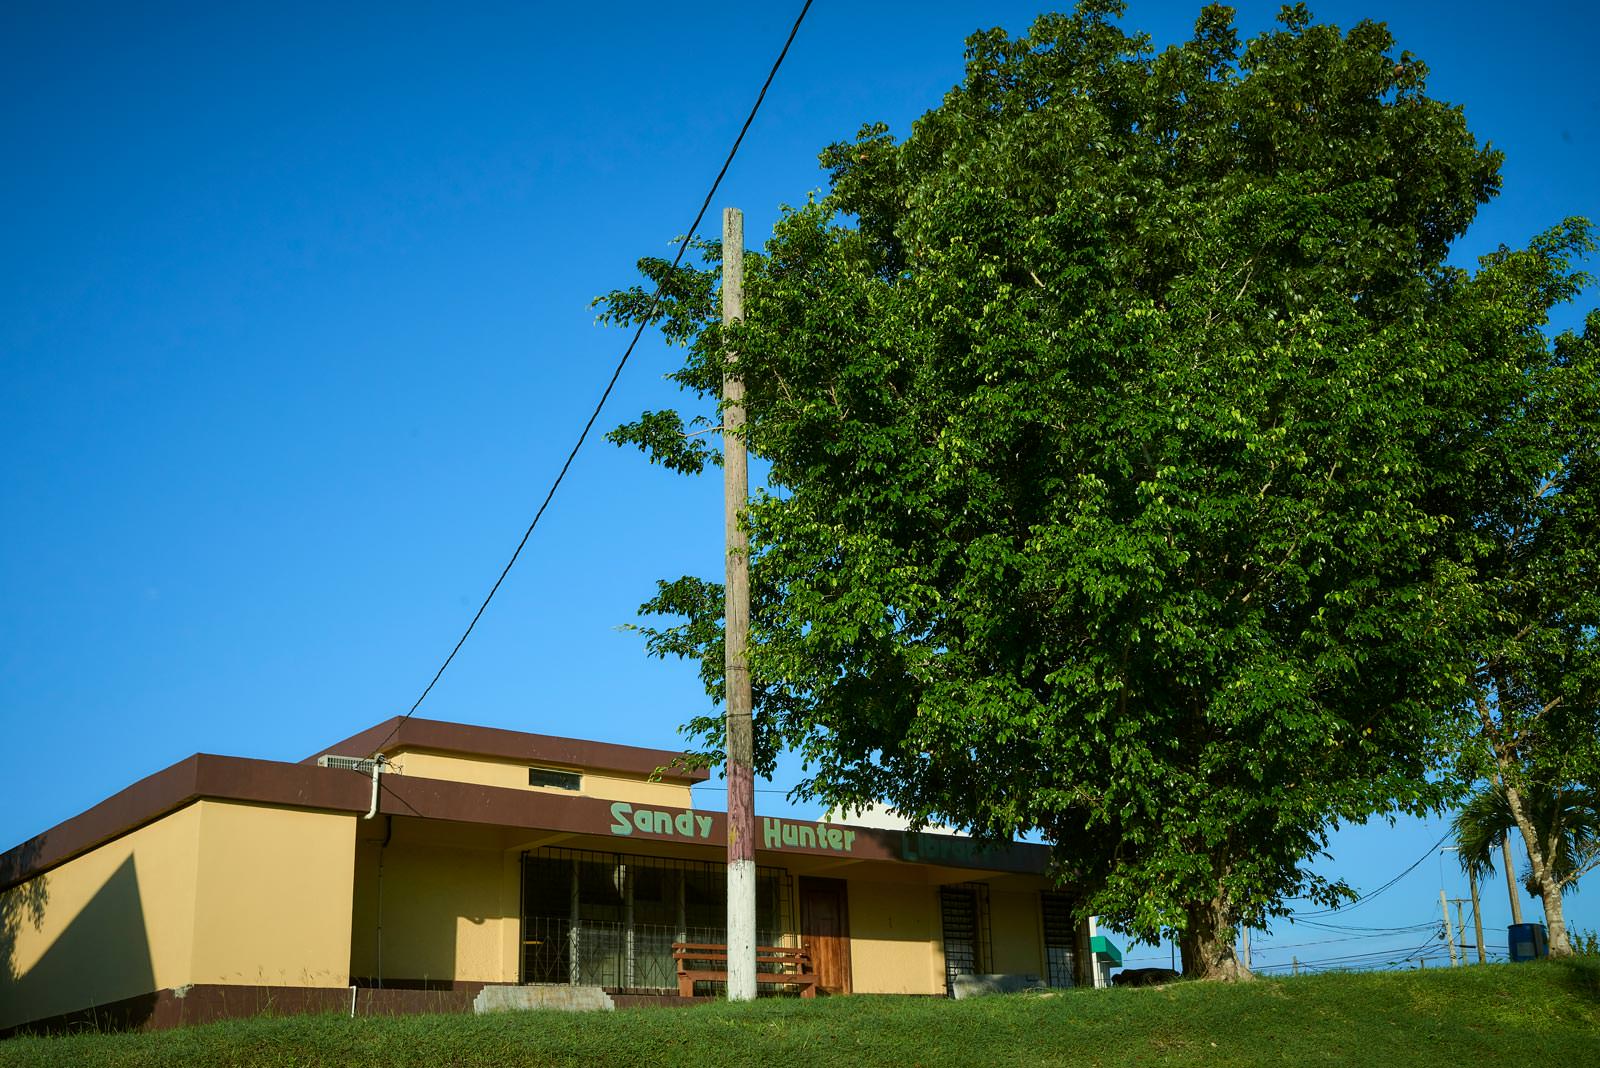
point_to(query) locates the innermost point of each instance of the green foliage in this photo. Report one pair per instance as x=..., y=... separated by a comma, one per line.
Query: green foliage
x=1567, y=819
x=1527, y=535
x=1543, y=1013
x=1123, y=422
x=661, y=436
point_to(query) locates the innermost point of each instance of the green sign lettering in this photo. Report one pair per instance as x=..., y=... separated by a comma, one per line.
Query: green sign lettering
x=683, y=824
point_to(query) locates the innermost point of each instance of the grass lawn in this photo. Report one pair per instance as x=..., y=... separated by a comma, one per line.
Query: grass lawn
x=1545, y=1014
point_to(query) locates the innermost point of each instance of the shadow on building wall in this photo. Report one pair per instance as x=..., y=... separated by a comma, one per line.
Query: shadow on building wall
x=96, y=975
x=19, y=905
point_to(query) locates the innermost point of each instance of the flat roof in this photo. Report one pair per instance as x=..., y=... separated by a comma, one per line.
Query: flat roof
x=304, y=785
x=464, y=738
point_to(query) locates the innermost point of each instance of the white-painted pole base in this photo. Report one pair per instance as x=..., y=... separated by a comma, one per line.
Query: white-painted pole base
x=741, y=930
x=1094, y=959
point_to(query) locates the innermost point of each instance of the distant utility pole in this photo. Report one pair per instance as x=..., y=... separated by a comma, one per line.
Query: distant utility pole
x=1461, y=927
x=736, y=616
x=1511, y=879
x=1246, y=938
x=1477, y=921
x=1449, y=934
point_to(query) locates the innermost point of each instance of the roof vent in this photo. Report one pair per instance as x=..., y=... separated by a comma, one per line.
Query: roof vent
x=346, y=763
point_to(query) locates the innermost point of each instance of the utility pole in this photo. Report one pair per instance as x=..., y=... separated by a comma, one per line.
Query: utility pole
x=1477, y=921
x=1449, y=934
x=736, y=617
x=1461, y=926
x=1246, y=938
x=1511, y=879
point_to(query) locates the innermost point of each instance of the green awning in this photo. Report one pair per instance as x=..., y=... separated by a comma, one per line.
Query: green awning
x=1102, y=946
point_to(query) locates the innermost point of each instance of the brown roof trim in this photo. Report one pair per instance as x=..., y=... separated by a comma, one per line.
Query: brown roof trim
x=405, y=795
x=413, y=733
x=271, y=782
x=202, y=775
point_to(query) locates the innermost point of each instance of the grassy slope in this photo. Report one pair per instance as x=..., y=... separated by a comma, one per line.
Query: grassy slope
x=1539, y=1014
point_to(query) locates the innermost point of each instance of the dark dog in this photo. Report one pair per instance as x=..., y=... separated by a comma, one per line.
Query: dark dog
x=1143, y=977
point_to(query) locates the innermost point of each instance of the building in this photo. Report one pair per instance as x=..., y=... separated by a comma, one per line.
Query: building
x=477, y=856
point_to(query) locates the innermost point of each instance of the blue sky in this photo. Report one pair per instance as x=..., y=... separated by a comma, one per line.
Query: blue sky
x=295, y=327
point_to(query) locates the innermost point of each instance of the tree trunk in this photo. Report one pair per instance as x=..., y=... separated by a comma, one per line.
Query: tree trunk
x=1544, y=878
x=1207, y=944
x=1556, y=922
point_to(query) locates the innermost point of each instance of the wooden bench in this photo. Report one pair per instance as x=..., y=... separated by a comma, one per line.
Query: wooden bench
x=706, y=962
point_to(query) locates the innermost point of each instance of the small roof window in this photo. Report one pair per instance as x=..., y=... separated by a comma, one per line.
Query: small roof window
x=555, y=778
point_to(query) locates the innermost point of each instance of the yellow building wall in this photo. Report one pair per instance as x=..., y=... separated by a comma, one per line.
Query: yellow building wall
x=115, y=923
x=896, y=946
x=484, y=771
x=1016, y=938
x=273, y=896
x=447, y=912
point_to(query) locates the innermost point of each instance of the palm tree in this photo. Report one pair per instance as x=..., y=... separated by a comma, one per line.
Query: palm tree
x=1565, y=825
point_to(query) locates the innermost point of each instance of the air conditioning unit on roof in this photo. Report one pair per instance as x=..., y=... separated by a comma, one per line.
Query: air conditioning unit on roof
x=347, y=763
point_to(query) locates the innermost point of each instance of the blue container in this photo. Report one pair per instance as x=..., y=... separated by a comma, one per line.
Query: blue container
x=1528, y=941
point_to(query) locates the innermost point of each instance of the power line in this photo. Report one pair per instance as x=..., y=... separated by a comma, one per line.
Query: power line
x=1364, y=898
x=1371, y=959
x=644, y=320
x=1353, y=928
x=1265, y=947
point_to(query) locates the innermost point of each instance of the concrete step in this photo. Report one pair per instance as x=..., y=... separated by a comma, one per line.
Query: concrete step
x=977, y=986
x=559, y=996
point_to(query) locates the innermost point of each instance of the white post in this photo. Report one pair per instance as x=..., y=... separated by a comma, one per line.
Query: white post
x=1094, y=958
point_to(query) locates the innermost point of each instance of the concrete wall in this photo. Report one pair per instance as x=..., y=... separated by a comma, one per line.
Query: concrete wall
x=449, y=905
x=216, y=892
x=115, y=923
x=486, y=771
x=897, y=938
x=895, y=942
x=273, y=896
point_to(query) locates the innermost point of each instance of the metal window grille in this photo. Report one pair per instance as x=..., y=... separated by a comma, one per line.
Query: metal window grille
x=609, y=919
x=964, y=914
x=1059, y=937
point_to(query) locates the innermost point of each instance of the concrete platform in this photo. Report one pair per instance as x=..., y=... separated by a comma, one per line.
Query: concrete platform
x=559, y=996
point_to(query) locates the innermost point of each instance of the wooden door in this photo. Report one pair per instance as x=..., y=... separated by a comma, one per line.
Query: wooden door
x=825, y=930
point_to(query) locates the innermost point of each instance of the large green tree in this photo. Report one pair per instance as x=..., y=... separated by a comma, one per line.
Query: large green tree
x=1528, y=543
x=1109, y=418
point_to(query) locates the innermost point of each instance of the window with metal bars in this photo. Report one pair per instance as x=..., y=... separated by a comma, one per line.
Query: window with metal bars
x=964, y=916
x=609, y=919
x=1059, y=937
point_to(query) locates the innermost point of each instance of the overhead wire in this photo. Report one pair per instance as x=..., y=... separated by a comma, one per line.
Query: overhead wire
x=1371, y=959
x=644, y=320
x=1364, y=898
x=1353, y=928
x=1266, y=946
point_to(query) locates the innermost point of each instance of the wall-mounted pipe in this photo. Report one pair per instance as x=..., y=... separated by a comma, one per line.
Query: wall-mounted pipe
x=377, y=767
x=388, y=834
